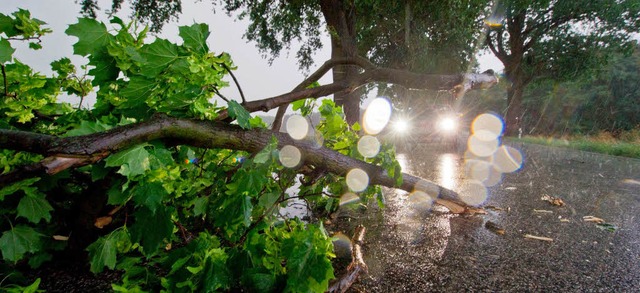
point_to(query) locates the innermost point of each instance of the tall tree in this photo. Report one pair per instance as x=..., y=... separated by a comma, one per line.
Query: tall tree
x=432, y=37
x=556, y=39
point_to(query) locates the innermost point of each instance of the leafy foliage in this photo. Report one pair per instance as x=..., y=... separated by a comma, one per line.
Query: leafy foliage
x=545, y=40
x=169, y=216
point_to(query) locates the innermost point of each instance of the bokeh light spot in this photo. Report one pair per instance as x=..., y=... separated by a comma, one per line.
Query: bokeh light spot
x=420, y=200
x=477, y=169
x=507, y=159
x=357, y=180
x=349, y=198
x=290, y=156
x=297, y=127
x=376, y=116
x=475, y=194
x=427, y=187
x=481, y=147
x=368, y=146
x=487, y=127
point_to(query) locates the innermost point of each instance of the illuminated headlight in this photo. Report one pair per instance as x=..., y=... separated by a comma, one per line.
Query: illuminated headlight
x=401, y=126
x=447, y=124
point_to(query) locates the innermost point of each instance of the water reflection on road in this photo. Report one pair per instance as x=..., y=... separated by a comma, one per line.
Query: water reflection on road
x=409, y=249
x=404, y=239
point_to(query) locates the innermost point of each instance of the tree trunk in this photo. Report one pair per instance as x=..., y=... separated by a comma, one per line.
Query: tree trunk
x=513, y=117
x=341, y=22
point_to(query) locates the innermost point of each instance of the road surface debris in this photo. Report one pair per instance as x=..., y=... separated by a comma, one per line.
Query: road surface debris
x=493, y=227
x=553, y=200
x=538, y=237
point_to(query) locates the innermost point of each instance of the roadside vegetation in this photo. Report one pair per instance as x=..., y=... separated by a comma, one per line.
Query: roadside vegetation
x=626, y=144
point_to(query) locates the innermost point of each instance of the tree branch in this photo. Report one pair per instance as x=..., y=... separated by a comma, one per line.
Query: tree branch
x=469, y=81
x=319, y=73
x=235, y=80
x=357, y=263
x=76, y=151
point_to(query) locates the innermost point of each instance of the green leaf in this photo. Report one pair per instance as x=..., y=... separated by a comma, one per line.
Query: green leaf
x=102, y=253
x=37, y=260
x=309, y=268
x=239, y=113
x=34, y=207
x=35, y=46
x=158, y=56
x=7, y=27
x=234, y=214
x=200, y=206
x=6, y=51
x=104, y=69
x=195, y=37
x=138, y=90
x=151, y=229
x=215, y=274
x=149, y=195
x=116, y=195
x=20, y=185
x=88, y=127
x=18, y=241
x=92, y=36
x=132, y=162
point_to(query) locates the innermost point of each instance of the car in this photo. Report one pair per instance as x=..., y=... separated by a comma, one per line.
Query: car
x=442, y=126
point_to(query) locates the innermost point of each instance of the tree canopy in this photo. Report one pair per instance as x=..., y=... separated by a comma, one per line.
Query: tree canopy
x=420, y=36
x=556, y=39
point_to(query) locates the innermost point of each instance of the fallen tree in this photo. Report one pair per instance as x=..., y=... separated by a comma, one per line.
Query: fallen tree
x=161, y=183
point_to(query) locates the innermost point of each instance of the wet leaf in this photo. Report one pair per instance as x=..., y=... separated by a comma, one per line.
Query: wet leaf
x=34, y=207
x=607, y=227
x=19, y=240
x=239, y=113
x=493, y=227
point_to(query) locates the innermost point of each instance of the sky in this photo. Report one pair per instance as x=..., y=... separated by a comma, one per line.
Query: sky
x=256, y=76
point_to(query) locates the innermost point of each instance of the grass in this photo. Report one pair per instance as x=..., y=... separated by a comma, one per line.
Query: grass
x=624, y=145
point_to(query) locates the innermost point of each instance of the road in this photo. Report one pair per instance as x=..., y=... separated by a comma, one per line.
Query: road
x=413, y=250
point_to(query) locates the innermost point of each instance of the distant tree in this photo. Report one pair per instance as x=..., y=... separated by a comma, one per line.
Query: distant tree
x=558, y=40
x=611, y=99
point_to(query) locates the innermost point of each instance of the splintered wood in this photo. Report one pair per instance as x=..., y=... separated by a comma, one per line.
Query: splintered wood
x=357, y=265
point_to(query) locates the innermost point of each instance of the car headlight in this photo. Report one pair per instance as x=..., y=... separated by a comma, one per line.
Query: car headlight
x=401, y=126
x=447, y=124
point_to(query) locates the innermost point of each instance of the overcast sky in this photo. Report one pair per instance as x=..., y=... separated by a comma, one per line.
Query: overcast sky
x=258, y=79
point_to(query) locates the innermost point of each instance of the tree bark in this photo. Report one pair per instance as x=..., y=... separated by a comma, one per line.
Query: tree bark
x=357, y=265
x=340, y=16
x=76, y=151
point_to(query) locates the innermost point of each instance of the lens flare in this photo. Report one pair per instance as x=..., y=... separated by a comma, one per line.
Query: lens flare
x=427, y=187
x=357, y=180
x=487, y=127
x=376, y=116
x=420, y=200
x=401, y=126
x=368, y=146
x=297, y=127
x=475, y=194
x=341, y=245
x=507, y=159
x=349, y=198
x=447, y=124
x=290, y=156
x=481, y=147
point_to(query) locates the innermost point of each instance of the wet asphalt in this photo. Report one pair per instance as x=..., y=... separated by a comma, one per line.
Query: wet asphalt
x=408, y=249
